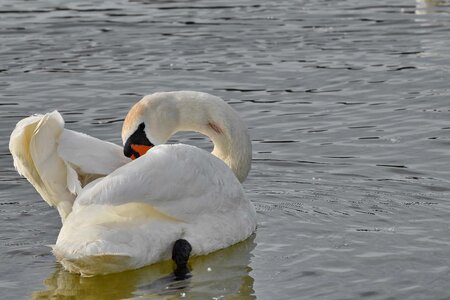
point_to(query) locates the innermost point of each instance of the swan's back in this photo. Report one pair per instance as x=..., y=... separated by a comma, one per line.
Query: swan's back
x=137, y=212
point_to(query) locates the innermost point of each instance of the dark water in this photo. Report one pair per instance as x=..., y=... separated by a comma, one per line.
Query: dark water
x=348, y=105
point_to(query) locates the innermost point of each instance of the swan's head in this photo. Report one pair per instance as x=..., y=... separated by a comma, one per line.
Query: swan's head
x=149, y=122
x=155, y=118
x=137, y=144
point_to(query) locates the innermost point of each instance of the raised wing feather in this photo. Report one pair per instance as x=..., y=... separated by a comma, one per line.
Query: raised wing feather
x=56, y=161
x=90, y=155
x=33, y=145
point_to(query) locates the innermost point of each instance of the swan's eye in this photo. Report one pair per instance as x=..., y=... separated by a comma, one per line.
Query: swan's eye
x=137, y=144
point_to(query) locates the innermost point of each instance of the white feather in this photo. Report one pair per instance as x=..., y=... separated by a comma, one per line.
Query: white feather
x=49, y=157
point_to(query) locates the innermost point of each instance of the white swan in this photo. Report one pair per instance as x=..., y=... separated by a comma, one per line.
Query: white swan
x=132, y=216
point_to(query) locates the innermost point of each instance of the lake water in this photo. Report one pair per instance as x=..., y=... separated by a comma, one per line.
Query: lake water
x=348, y=105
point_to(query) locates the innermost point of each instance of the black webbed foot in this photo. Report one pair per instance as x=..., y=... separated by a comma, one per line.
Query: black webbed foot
x=180, y=255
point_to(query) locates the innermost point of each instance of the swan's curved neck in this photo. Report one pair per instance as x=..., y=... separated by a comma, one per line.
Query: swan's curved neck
x=211, y=116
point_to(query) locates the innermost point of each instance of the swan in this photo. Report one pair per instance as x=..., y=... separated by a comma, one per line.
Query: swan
x=125, y=208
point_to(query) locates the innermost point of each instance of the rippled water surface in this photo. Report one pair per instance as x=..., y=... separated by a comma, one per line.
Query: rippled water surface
x=348, y=105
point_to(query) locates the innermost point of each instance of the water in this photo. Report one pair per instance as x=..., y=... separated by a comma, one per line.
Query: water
x=348, y=108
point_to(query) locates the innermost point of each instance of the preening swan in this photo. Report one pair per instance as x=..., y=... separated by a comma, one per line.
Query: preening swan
x=169, y=201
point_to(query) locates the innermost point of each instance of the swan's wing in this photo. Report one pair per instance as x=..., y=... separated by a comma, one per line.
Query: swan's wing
x=178, y=178
x=40, y=155
x=180, y=182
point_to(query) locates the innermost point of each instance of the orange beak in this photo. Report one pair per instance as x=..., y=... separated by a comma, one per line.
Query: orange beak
x=141, y=149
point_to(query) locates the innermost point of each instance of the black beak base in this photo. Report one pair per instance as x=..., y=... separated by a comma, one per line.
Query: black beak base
x=137, y=138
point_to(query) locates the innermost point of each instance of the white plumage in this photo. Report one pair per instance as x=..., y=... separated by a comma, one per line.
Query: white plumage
x=132, y=216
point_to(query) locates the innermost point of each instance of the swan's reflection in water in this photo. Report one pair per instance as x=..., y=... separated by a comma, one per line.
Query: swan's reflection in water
x=431, y=6
x=223, y=273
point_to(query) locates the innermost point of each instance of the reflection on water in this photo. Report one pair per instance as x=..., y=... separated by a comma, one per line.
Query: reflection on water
x=225, y=272
x=432, y=6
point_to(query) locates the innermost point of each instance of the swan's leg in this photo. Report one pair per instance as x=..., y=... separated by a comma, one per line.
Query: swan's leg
x=180, y=255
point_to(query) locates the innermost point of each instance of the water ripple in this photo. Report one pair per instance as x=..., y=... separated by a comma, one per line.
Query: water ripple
x=347, y=107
